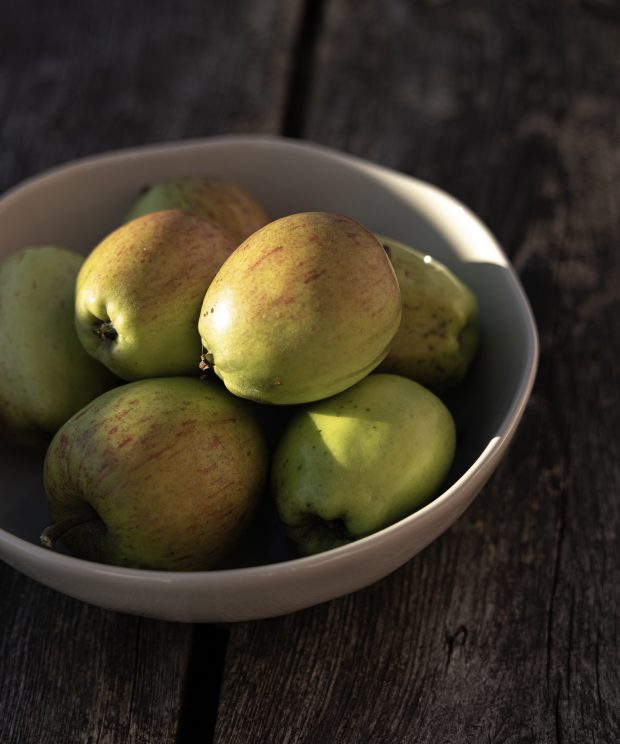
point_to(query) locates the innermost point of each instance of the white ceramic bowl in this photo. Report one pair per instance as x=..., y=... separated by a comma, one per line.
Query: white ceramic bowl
x=76, y=205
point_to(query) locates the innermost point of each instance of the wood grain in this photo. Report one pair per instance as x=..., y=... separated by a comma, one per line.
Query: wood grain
x=506, y=629
x=75, y=79
x=73, y=672
x=79, y=78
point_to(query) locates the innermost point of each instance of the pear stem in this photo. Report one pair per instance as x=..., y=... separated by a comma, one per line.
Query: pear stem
x=54, y=532
x=105, y=330
x=206, y=360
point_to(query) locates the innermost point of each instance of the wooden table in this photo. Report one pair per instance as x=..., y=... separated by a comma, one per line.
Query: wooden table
x=507, y=628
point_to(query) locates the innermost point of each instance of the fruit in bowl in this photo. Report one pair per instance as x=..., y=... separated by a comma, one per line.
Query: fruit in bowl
x=161, y=473
x=223, y=202
x=306, y=307
x=486, y=404
x=340, y=471
x=438, y=336
x=165, y=473
x=139, y=292
x=45, y=374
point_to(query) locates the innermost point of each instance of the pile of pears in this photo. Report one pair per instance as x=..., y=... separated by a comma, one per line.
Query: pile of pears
x=203, y=358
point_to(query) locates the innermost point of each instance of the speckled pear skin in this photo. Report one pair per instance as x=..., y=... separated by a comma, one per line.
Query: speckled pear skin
x=174, y=469
x=45, y=374
x=361, y=460
x=303, y=309
x=438, y=336
x=224, y=203
x=140, y=290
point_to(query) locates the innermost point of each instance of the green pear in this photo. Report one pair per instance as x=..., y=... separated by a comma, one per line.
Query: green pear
x=45, y=374
x=222, y=202
x=139, y=294
x=438, y=335
x=350, y=465
x=163, y=474
x=303, y=309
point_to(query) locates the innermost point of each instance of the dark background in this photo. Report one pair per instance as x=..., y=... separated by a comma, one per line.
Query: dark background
x=506, y=629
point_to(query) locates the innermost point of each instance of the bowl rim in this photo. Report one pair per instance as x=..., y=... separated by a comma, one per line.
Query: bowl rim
x=480, y=469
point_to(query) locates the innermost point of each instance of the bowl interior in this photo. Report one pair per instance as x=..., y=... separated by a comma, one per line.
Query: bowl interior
x=77, y=205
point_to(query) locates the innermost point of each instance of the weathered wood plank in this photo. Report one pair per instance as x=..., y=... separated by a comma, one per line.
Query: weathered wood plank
x=75, y=79
x=72, y=672
x=79, y=78
x=506, y=629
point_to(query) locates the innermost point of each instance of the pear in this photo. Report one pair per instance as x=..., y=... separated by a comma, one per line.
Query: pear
x=45, y=374
x=222, y=202
x=139, y=294
x=353, y=464
x=159, y=474
x=438, y=335
x=304, y=308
